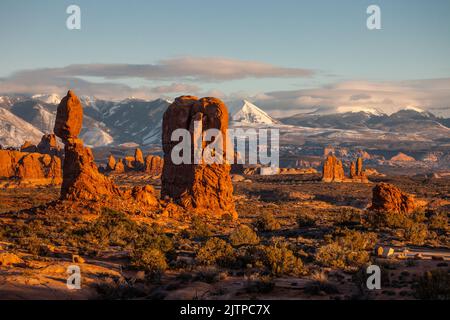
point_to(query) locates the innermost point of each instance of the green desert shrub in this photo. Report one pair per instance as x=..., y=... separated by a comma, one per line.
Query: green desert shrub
x=267, y=222
x=439, y=221
x=433, y=285
x=350, y=249
x=198, y=229
x=243, y=235
x=348, y=216
x=216, y=251
x=415, y=232
x=111, y=228
x=150, y=259
x=411, y=225
x=280, y=259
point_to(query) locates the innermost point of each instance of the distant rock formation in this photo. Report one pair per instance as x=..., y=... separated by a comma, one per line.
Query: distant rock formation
x=28, y=147
x=333, y=171
x=138, y=163
x=402, y=157
x=153, y=165
x=119, y=167
x=388, y=197
x=357, y=173
x=111, y=165
x=32, y=169
x=49, y=145
x=200, y=187
x=150, y=164
x=81, y=178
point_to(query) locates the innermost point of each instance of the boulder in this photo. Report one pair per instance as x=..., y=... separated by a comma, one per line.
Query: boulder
x=388, y=197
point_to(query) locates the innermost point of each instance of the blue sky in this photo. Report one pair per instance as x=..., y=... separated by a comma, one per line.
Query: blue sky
x=328, y=37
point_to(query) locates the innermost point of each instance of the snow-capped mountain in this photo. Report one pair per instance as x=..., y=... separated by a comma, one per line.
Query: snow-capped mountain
x=37, y=113
x=246, y=113
x=14, y=131
x=139, y=122
x=52, y=98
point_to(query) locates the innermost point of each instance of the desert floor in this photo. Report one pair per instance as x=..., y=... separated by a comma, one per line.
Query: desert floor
x=305, y=240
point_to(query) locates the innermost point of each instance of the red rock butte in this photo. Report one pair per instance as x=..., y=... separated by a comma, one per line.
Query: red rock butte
x=205, y=188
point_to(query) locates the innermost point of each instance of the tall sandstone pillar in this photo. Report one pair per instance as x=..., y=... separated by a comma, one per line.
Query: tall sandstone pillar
x=204, y=188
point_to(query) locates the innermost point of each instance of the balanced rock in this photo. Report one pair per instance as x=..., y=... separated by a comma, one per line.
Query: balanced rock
x=81, y=178
x=333, y=171
x=69, y=117
x=201, y=187
x=388, y=197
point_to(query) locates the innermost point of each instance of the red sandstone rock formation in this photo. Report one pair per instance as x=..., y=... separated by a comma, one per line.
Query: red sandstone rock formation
x=28, y=147
x=111, y=165
x=69, y=117
x=153, y=165
x=333, y=171
x=402, y=157
x=352, y=169
x=30, y=168
x=359, y=167
x=202, y=187
x=81, y=178
x=138, y=163
x=49, y=145
x=388, y=197
x=119, y=167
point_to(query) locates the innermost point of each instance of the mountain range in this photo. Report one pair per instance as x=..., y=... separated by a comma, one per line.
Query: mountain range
x=140, y=122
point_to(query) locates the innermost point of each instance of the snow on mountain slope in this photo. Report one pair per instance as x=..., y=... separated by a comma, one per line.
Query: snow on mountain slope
x=96, y=137
x=368, y=110
x=52, y=98
x=14, y=131
x=248, y=114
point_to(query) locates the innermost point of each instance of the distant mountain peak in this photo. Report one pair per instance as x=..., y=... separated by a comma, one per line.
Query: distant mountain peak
x=248, y=113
